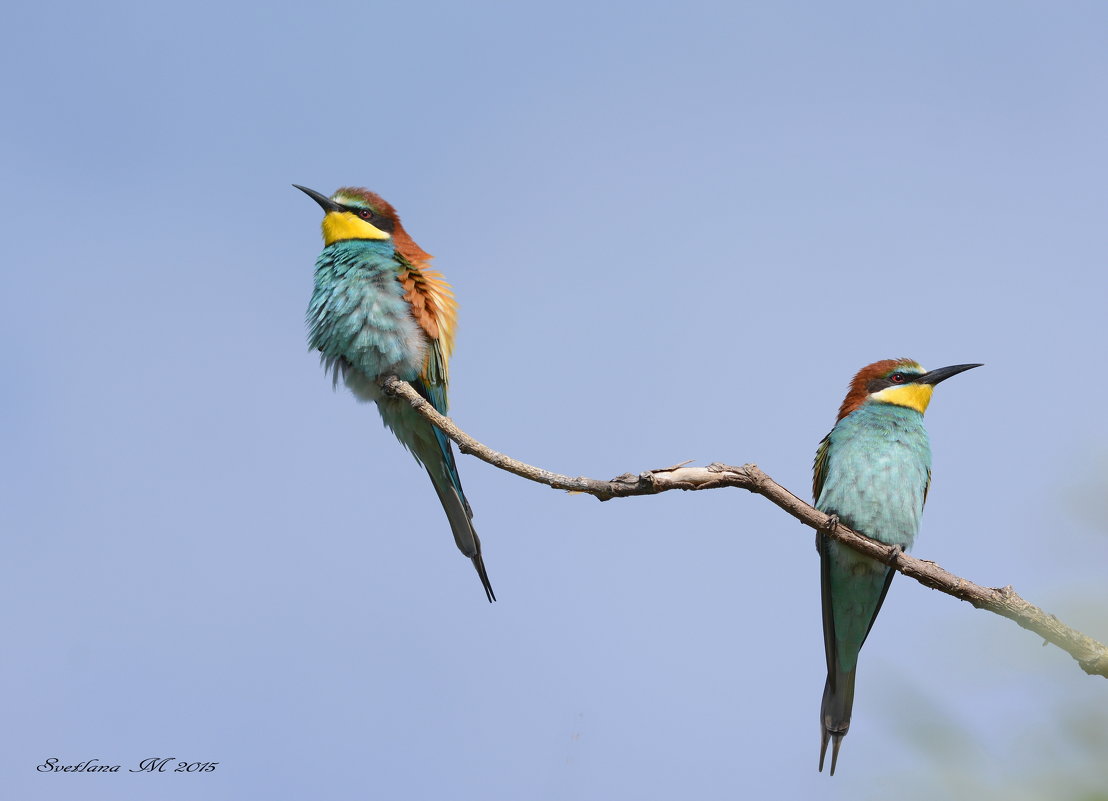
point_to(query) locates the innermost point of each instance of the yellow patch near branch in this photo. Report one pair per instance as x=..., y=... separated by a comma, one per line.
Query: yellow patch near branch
x=338, y=225
x=914, y=396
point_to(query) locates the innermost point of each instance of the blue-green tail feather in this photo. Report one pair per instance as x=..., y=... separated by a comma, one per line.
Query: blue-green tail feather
x=844, y=633
x=433, y=450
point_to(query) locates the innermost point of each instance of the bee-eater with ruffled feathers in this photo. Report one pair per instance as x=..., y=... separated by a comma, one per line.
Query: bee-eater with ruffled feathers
x=379, y=310
x=872, y=472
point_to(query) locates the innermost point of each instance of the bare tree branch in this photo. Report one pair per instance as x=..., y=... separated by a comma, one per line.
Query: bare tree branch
x=1091, y=655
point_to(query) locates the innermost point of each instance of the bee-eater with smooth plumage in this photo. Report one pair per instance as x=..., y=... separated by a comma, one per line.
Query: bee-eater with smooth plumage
x=378, y=310
x=872, y=472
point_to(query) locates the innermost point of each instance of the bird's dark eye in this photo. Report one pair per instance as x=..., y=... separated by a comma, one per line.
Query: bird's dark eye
x=365, y=214
x=897, y=378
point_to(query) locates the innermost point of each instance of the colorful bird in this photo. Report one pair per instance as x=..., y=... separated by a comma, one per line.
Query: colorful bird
x=378, y=310
x=872, y=473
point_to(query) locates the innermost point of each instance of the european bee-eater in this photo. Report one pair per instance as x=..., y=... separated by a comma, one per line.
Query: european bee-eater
x=872, y=472
x=378, y=310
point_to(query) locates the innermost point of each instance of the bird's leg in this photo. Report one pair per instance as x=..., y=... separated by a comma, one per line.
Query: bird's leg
x=895, y=552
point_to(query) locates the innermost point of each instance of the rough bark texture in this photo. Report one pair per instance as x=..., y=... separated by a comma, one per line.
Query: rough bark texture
x=1091, y=655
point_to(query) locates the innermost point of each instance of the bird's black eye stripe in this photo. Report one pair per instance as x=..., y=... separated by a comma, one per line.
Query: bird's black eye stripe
x=892, y=380
x=369, y=215
x=360, y=211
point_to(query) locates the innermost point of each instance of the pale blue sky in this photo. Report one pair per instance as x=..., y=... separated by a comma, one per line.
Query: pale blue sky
x=675, y=232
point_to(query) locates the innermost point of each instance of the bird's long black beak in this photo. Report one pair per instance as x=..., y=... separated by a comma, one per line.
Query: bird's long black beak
x=325, y=202
x=943, y=373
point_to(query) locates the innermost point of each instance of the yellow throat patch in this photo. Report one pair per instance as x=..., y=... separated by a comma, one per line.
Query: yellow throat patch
x=914, y=396
x=338, y=225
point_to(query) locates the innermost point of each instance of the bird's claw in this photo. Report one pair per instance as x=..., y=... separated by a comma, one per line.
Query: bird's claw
x=827, y=527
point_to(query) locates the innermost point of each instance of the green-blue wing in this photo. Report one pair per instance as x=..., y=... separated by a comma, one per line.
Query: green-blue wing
x=819, y=469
